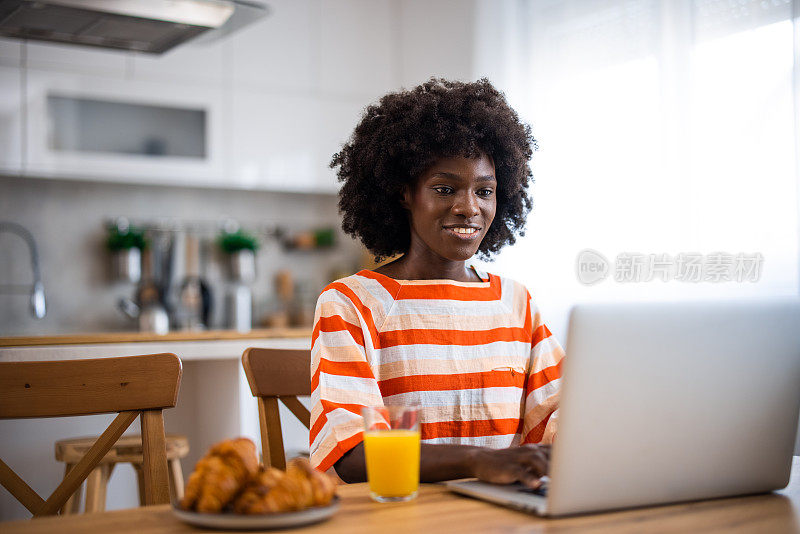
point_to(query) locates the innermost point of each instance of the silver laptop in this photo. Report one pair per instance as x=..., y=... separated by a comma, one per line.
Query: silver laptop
x=669, y=402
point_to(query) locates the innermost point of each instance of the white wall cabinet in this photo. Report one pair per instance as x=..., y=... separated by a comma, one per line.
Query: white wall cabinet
x=357, y=47
x=75, y=59
x=46, y=158
x=285, y=143
x=10, y=52
x=194, y=64
x=11, y=129
x=278, y=53
x=301, y=79
x=272, y=146
x=334, y=124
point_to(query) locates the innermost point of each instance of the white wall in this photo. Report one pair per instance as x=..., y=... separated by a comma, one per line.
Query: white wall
x=435, y=39
x=67, y=218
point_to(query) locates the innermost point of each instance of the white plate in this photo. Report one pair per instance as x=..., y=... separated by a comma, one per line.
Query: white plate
x=265, y=521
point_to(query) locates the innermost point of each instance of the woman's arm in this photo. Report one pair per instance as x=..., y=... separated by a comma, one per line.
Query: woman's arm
x=525, y=464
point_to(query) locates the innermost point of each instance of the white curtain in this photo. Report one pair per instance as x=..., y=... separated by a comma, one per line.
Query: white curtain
x=664, y=128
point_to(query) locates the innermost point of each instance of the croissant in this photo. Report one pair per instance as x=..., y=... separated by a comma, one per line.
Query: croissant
x=293, y=492
x=272, y=490
x=252, y=499
x=323, y=486
x=220, y=475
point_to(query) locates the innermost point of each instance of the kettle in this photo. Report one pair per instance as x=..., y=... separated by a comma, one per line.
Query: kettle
x=150, y=313
x=152, y=318
x=148, y=308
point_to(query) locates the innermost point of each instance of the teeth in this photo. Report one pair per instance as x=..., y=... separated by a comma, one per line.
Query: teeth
x=465, y=230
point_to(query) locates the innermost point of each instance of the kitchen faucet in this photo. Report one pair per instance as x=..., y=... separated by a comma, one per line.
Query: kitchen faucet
x=38, y=308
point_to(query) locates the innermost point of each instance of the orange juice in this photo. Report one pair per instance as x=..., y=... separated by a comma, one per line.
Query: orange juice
x=392, y=462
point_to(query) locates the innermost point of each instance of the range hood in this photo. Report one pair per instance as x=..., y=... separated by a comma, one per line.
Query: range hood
x=151, y=26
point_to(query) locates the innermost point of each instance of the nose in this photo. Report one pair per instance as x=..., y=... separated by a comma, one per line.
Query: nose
x=466, y=204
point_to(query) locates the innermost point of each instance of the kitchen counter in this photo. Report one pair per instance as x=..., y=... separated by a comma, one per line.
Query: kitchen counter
x=188, y=346
x=140, y=337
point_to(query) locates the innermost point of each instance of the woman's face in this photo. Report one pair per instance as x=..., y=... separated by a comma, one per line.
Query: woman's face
x=451, y=206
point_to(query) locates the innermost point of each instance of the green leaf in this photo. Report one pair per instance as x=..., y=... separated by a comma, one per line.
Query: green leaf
x=131, y=238
x=236, y=241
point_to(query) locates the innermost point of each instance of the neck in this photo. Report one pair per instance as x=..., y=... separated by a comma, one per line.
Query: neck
x=413, y=266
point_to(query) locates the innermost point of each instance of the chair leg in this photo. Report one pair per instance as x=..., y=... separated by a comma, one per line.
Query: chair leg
x=175, y=480
x=73, y=504
x=139, y=482
x=271, y=435
x=96, y=484
x=154, y=454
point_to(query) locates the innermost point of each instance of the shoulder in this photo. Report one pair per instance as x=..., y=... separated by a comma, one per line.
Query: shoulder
x=362, y=289
x=516, y=295
x=512, y=284
x=506, y=284
x=348, y=282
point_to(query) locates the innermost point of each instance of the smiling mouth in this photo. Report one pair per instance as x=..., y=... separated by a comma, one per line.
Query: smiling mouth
x=463, y=231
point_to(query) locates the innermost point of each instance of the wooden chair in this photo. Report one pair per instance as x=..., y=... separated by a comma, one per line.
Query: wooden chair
x=127, y=449
x=273, y=375
x=134, y=386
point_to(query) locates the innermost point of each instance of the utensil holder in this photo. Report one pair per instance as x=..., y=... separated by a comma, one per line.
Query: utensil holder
x=127, y=265
x=242, y=266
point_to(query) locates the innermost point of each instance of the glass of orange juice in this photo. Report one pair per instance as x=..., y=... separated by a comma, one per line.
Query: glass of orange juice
x=391, y=447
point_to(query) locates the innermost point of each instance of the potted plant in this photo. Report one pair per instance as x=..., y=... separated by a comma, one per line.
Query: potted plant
x=126, y=243
x=240, y=247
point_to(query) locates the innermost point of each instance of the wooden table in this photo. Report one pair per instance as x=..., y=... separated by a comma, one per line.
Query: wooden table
x=437, y=510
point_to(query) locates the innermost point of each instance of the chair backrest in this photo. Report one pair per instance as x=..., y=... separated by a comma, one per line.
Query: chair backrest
x=273, y=375
x=133, y=386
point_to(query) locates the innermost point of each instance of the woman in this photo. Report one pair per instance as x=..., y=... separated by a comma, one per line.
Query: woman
x=436, y=174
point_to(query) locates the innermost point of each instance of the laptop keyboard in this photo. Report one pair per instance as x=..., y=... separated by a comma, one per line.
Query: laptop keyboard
x=541, y=491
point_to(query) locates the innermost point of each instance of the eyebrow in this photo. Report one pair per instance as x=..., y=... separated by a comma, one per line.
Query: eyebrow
x=485, y=178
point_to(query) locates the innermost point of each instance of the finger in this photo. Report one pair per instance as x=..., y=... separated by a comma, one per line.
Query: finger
x=540, y=468
x=546, y=450
x=530, y=480
x=535, y=458
x=537, y=468
x=540, y=465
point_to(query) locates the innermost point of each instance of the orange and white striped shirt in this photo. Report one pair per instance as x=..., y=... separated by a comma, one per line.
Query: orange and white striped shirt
x=475, y=356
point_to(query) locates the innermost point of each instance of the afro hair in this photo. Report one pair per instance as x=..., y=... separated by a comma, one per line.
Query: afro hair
x=405, y=133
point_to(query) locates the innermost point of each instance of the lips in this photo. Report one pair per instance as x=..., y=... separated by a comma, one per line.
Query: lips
x=463, y=231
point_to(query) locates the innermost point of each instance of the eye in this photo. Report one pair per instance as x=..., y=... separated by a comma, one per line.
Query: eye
x=486, y=192
x=443, y=189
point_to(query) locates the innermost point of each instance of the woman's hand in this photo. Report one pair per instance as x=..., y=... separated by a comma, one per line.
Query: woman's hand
x=525, y=464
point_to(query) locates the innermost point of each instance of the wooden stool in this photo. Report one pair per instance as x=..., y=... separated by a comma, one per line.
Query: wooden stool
x=128, y=449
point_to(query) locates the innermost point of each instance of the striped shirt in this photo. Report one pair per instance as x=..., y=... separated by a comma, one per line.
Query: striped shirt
x=475, y=356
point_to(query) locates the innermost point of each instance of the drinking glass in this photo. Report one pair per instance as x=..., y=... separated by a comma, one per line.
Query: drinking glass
x=391, y=448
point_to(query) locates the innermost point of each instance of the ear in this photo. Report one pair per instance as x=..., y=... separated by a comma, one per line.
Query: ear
x=405, y=197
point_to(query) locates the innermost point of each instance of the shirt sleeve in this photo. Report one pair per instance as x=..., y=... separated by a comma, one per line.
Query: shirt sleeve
x=543, y=383
x=342, y=380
